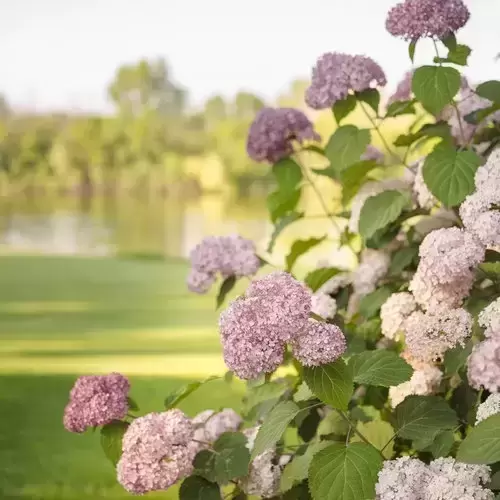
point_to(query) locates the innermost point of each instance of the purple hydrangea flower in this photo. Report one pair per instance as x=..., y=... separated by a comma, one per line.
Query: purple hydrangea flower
x=414, y=19
x=336, y=75
x=273, y=132
x=96, y=400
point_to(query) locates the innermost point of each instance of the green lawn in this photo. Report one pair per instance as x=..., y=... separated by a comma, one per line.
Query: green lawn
x=61, y=317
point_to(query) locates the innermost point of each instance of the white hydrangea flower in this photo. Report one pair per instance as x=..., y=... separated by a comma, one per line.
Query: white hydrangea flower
x=372, y=268
x=484, y=365
x=425, y=198
x=490, y=407
x=333, y=285
x=488, y=176
x=323, y=305
x=489, y=318
x=209, y=425
x=394, y=312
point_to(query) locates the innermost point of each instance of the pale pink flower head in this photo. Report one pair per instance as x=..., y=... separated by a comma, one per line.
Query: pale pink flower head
x=336, y=75
x=394, y=312
x=484, y=365
x=200, y=282
x=96, y=400
x=403, y=91
x=414, y=19
x=275, y=130
x=320, y=343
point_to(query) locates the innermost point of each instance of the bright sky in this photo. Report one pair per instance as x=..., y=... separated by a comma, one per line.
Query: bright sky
x=62, y=53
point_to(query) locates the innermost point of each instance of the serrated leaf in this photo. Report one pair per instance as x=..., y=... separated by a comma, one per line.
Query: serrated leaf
x=449, y=174
x=482, y=444
x=378, y=433
x=332, y=383
x=296, y=471
x=288, y=174
x=455, y=359
x=459, y=55
x=347, y=473
x=232, y=457
x=300, y=247
x=317, y=278
x=281, y=203
x=346, y=146
x=353, y=177
x=370, y=304
x=274, y=426
x=489, y=90
x=204, y=465
x=399, y=108
x=371, y=97
x=420, y=416
x=182, y=393
x=198, y=488
x=380, y=367
x=442, y=444
x=343, y=107
x=281, y=225
x=303, y=393
x=411, y=49
x=435, y=86
x=402, y=259
x=111, y=439
x=380, y=210
x=226, y=286
x=264, y=392
x=439, y=129
x=450, y=41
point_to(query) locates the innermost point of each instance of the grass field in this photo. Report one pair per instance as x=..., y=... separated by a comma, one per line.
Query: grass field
x=61, y=317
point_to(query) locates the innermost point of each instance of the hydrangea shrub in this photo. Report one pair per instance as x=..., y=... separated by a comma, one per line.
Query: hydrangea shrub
x=380, y=381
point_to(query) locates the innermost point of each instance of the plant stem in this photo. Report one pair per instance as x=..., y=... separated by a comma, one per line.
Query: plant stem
x=389, y=442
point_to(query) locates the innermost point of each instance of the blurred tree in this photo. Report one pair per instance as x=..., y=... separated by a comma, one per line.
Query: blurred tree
x=247, y=105
x=4, y=107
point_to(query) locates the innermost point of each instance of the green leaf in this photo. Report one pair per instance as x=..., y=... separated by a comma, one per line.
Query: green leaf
x=226, y=286
x=418, y=417
x=380, y=210
x=450, y=41
x=442, y=444
x=435, y=86
x=482, y=444
x=380, y=367
x=347, y=473
x=455, y=359
x=296, y=471
x=264, y=392
x=332, y=383
x=198, y=488
x=303, y=393
x=449, y=174
x=343, y=107
x=307, y=424
x=274, y=426
x=327, y=172
x=353, y=177
x=399, y=108
x=317, y=278
x=132, y=405
x=288, y=174
x=378, y=433
x=204, y=465
x=281, y=224
x=480, y=115
x=299, y=248
x=371, y=97
x=439, y=129
x=111, y=439
x=346, y=146
x=459, y=55
x=182, y=393
x=281, y=204
x=489, y=90
x=233, y=457
x=411, y=49
x=370, y=304
x=491, y=269
x=402, y=259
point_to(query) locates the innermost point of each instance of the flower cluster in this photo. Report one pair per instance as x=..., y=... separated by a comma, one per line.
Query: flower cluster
x=414, y=19
x=394, y=312
x=489, y=318
x=484, y=364
x=336, y=75
x=209, y=426
x=425, y=199
x=227, y=255
x=444, y=478
x=273, y=132
x=96, y=400
x=490, y=407
x=156, y=452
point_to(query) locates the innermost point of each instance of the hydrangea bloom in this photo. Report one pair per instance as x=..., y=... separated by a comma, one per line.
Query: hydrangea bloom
x=414, y=19
x=440, y=218
x=403, y=91
x=323, y=305
x=273, y=132
x=227, y=255
x=424, y=381
x=425, y=198
x=320, y=343
x=430, y=335
x=394, y=312
x=336, y=74
x=484, y=365
x=489, y=318
x=490, y=407
x=487, y=177
x=156, y=452
x=333, y=285
x=209, y=425
x=372, y=268
x=96, y=400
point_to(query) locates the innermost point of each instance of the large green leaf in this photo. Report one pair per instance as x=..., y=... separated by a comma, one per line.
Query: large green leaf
x=449, y=174
x=345, y=472
x=331, y=383
x=232, y=457
x=353, y=177
x=299, y=248
x=288, y=174
x=378, y=433
x=346, y=146
x=482, y=445
x=281, y=203
x=371, y=97
x=281, y=224
x=317, y=278
x=435, y=86
x=226, y=286
x=182, y=393
x=380, y=210
x=370, y=304
x=401, y=259
x=111, y=439
x=265, y=392
x=489, y=90
x=198, y=488
x=274, y=426
x=343, y=107
x=418, y=417
x=380, y=367
x=442, y=444
x=399, y=108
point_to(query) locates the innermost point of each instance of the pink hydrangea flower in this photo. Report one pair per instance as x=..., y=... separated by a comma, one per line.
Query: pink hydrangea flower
x=484, y=365
x=96, y=400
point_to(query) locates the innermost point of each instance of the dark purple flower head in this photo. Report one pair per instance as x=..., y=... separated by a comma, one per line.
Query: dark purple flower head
x=336, y=74
x=273, y=132
x=96, y=400
x=414, y=19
